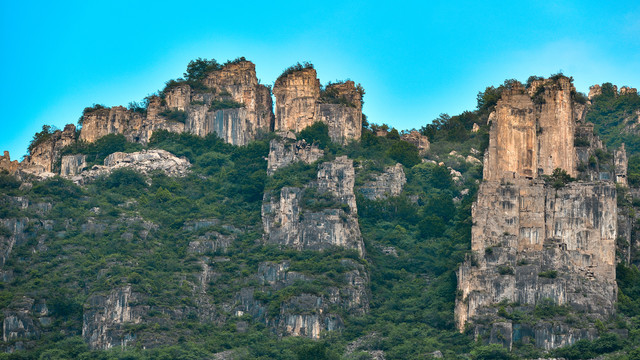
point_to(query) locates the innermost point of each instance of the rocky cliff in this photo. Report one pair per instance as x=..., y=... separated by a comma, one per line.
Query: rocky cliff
x=44, y=154
x=532, y=130
x=318, y=216
x=229, y=102
x=300, y=102
x=106, y=316
x=286, y=150
x=537, y=242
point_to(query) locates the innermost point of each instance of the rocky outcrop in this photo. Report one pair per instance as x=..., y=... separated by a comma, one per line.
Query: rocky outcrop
x=43, y=155
x=532, y=131
x=306, y=315
x=300, y=103
x=20, y=319
x=533, y=243
x=145, y=162
x=106, y=315
x=72, y=165
x=318, y=216
x=229, y=102
x=420, y=141
x=285, y=151
x=7, y=165
x=247, y=110
x=388, y=183
x=621, y=164
x=17, y=234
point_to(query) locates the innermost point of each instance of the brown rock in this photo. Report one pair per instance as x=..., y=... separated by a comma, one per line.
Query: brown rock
x=300, y=103
x=7, y=165
x=419, y=140
x=532, y=133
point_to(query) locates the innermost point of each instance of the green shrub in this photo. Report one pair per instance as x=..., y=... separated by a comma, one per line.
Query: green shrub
x=505, y=270
x=175, y=115
x=549, y=274
x=404, y=153
x=224, y=104
x=317, y=133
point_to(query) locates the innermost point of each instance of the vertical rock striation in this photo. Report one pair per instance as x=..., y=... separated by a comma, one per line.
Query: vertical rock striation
x=300, y=102
x=318, y=216
x=532, y=243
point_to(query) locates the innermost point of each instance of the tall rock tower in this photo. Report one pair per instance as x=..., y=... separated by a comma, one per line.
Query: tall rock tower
x=300, y=102
x=536, y=242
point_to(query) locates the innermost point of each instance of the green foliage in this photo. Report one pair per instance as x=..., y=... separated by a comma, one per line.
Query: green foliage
x=318, y=133
x=585, y=349
x=505, y=270
x=225, y=104
x=199, y=68
x=559, y=178
x=293, y=68
x=174, y=115
x=547, y=308
x=612, y=114
x=98, y=150
x=491, y=352
x=404, y=153
x=549, y=274
x=40, y=137
x=314, y=201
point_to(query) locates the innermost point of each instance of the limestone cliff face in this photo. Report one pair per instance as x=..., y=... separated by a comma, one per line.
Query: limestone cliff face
x=235, y=82
x=43, y=156
x=419, y=140
x=300, y=103
x=532, y=131
x=135, y=126
x=306, y=314
x=533, y=243
x=296, y=97
x=389, y=183
x=293, y=218
x=283, y=152
x=145, y=162
x=7, y=165
x=105, y=318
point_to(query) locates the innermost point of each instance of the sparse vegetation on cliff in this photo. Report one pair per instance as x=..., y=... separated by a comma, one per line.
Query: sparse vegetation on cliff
x=293, y=68
x=174, y=115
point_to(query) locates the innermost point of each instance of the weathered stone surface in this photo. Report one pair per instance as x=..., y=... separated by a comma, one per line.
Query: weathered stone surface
x=625, y=90
x=594, y=90
x=299, y=104
x=73, y=165
x=283, y=152
x=528, y=138
x=19, y=320
x=287, y=222
x=305, y=315
x=296, y=97
x=17, y=229
x=531, y=228
x=533, y=243
x=106, y=315
x=145, y=161
x=7, y=165
x=42, y=157
x=621, y=163
x=419, y=140
x=389, y=183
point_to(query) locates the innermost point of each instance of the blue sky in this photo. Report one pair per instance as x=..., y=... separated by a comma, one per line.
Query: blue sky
x=415, y=59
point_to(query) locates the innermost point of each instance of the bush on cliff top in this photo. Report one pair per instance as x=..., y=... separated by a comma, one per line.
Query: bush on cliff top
x=293, y=68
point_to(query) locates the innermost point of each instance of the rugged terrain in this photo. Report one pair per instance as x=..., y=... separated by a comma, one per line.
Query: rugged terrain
x=210, y=223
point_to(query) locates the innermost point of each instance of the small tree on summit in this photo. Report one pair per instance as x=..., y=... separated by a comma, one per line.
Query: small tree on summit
x=199, y=68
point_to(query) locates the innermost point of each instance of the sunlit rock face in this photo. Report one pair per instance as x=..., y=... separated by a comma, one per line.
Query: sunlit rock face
x=300, y=103
x=534, y=243
x=291, y=219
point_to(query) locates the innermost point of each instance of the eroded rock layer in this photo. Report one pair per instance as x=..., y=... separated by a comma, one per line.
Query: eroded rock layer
x=538, y=241
x=318, y=216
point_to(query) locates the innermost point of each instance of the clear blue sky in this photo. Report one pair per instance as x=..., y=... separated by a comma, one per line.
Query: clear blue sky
x=415, y=59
